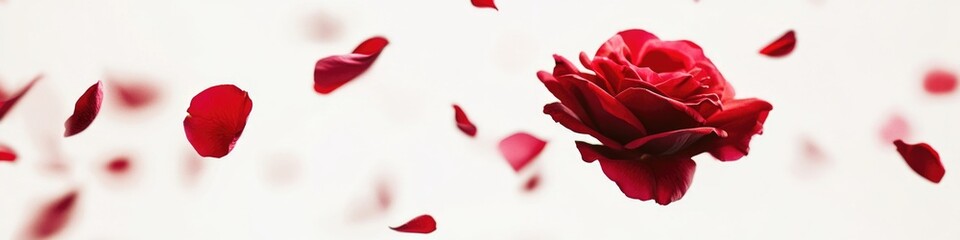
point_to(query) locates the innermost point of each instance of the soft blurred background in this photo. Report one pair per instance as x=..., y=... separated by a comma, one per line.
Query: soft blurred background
x=312, y=166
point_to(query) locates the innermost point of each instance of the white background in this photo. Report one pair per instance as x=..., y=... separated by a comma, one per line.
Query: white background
x=307, y=163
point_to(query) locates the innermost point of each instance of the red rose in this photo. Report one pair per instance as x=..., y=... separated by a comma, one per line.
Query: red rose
x=653, y=105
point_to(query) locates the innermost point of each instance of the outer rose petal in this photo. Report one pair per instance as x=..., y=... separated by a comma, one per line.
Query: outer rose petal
x=664, y=180
x=565, y=117
x=8, y=103
x=609, y=115
x=782, y=46
x=484, y=4
x=940, y=82
x=53, y=217
x=7, y=154
x=560, y=91
x=923, y=159
x=85, y=110
x=671, y=142
x=216, y=119
x=334, y=71
x=463, y=122
x=627, y=44
x=520, y=149
x=421, y=224
x=657, y=112
x=741, y=119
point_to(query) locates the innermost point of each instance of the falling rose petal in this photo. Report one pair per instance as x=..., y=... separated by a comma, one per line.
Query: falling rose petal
x=811, y=151
x=782, y=46
x=192, y=167
x=216, y=119
x=8, y=103
x=895, y=128
x=939, y=82
x=532, y=183
x=463, y=122
x=118, y=166
x=7, y=154
x=923, y=159
x=333, y=72
x=134, y=95
x=323, y=27
x=53, y=217
x=520, y=149
x=384, y=195
x=422, y=224
x=86, y=109
x=484, y=4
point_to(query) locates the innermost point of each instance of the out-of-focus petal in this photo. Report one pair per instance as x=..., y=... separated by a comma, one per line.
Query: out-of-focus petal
x=520, y=149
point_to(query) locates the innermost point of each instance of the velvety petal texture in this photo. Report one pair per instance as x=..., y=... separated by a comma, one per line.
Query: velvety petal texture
x=334, y=71
x=652, y=105
x=85, y=110
x=520, y=149
x=484, y=4
x=463, y=122
x=781, y=47
x=216, y=119
x=422, y=224
x=53, y=217
x=923, y=159
x=7, y=103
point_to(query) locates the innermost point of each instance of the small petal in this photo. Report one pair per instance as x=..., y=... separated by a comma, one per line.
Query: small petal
x=422, y=224
x=216, y=119
x=85, y=110
x=782, y=46
x=463, y=122
x=7, y=154
x=940, y=82
x=135, y=95
x=8, y=103
x=53, y=217
x=532, y=183
x=923, y=159
x=118, y=166
x=520, y=149
x=334, y=71
x=484, y=4
x=895, y=128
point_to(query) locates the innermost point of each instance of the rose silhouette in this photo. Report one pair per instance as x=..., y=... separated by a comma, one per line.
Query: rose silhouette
x=652, y=105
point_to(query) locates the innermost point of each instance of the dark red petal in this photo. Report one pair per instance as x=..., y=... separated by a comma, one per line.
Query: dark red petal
x=659, y=113
x=118, y=166
x=7, y=154
x=85, y=110
x=895, y=128
x=532, y=183
x=8, y=103
x=216, y=119
x=134, y=95
x=671, y=142
x=334, y=71
x=923, y=159
x=520, y=149
x=626, y=44
x=53, y=217
x=484, y=4
x=741, y=119
x=463, y=122
x=563, y=66
x=609, y=115
x=940, y=82
x=664, y=180
x=422, y=224
x=565, y=117
x=561, y=92
x=782, y=46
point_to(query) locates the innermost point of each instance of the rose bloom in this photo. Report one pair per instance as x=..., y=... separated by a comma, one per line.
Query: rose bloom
x=652, y=105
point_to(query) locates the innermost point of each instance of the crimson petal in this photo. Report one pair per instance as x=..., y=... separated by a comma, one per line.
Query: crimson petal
x=484, y=4
x=663, y=180
x=334, y=71
x=53, y=217
x=520, y=149
x=671, y=142
x=118, y=166
x=532, y=183
x=8, y=103
x=463, y=122
x=216, y=119
x=782, y=46
x=741, y=119
x=7, y=154
x=135, y=95
x=563, y=115
x=421, y=224
x=923, y=159
x=940, y=82
x=85, y=110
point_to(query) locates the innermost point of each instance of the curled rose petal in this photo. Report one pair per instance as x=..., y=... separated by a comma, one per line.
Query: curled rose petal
x=216, y=119
x=118, y=166
x=421, y=224
x=741, y=119
x=484, y=4
x=53, y=217
x=940, y=82
x=895, y=128
x=520, y=149
x=782, y=46
x=923, y=159
x=135, y=95
x=334, y=71
x=85, y=110
x=7, y=154
x=8, y=103
x=463, y=122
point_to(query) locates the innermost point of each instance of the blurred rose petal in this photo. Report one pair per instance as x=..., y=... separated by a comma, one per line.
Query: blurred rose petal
x=463, y=122
x=334, y=71
x=8, y=103
x=384, y=194
x=532, y=183
x=53, y=217
x=7, y=154
x=135, y=95
x=421, y=224
x=782, y=46
x=895, y=128
x=520, y=149
x=192, y=167
x=940, y=82
x=85, y=110
x=216, y=119
x=324, y=27
x=118, y=166
x=811, y=151
x=923, y=159
x=484, y=4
